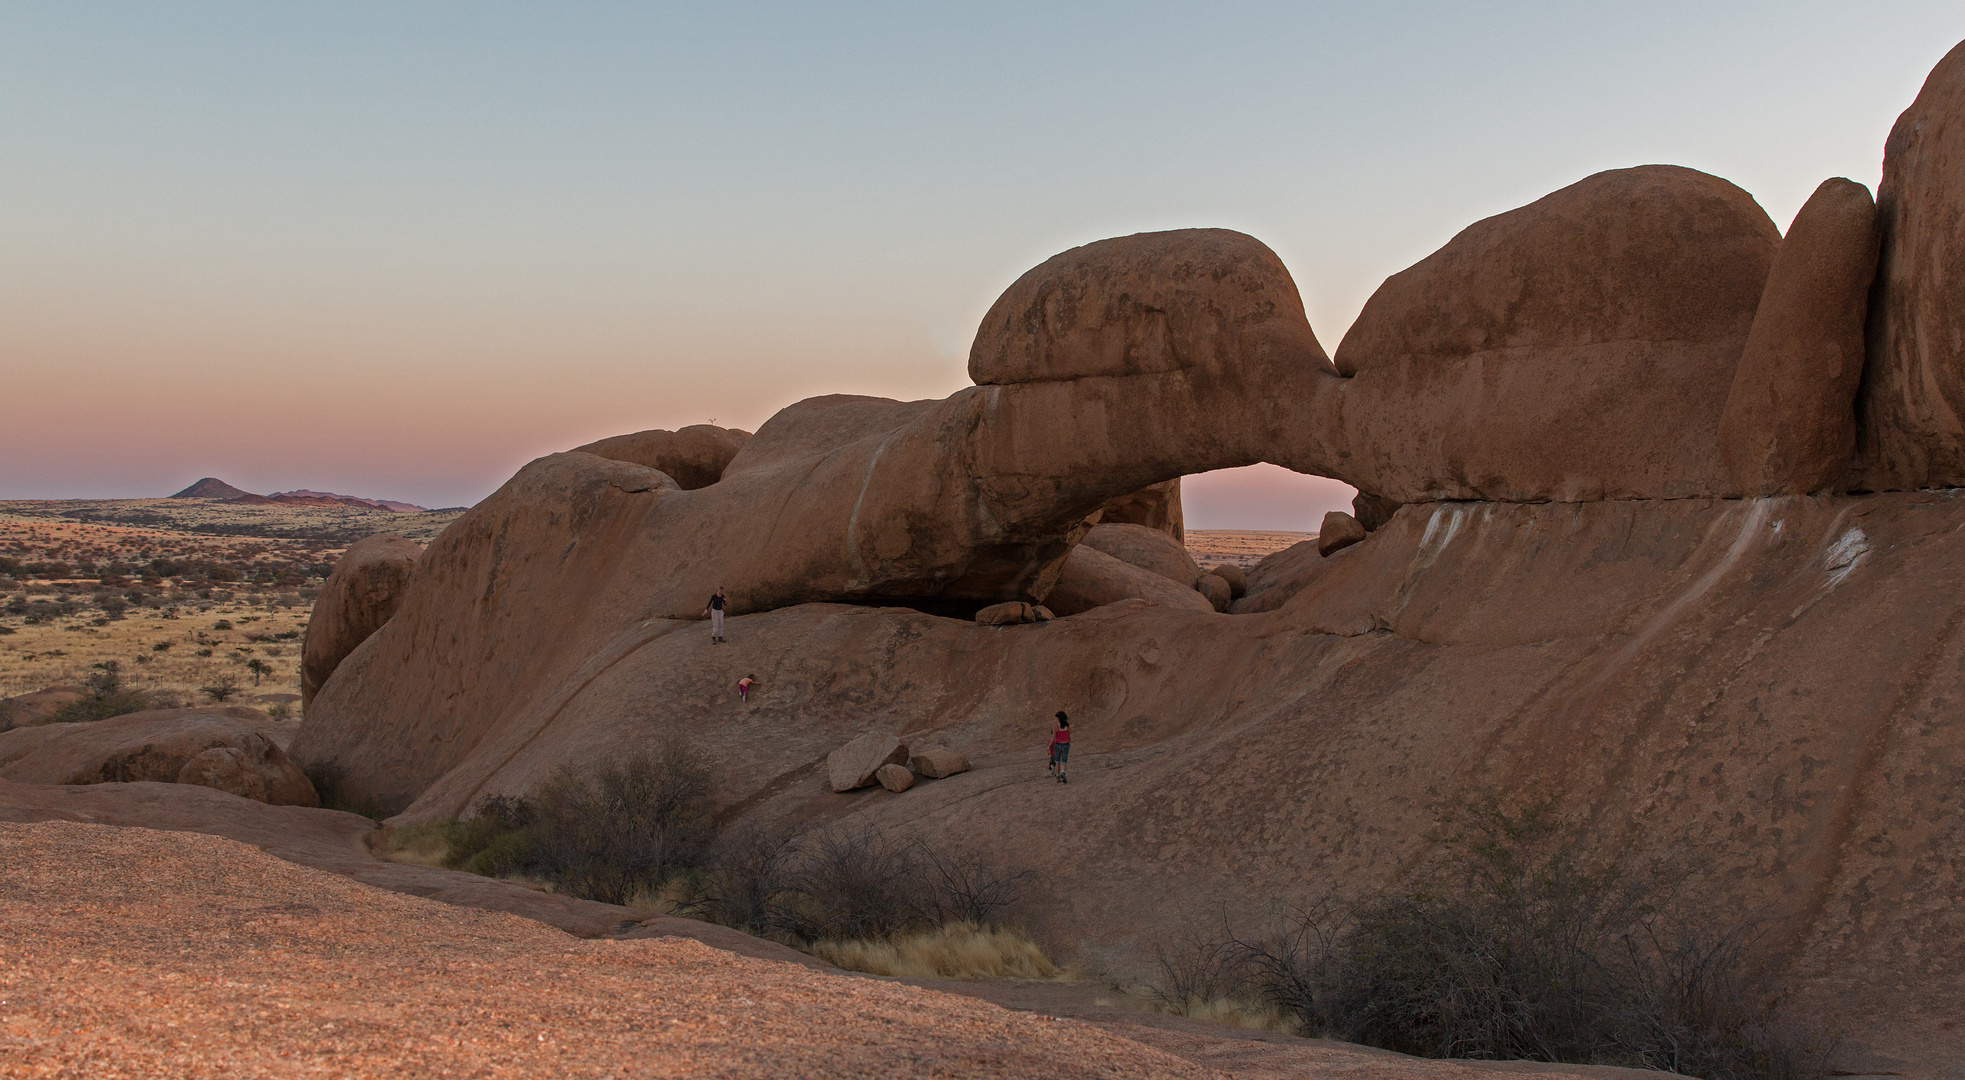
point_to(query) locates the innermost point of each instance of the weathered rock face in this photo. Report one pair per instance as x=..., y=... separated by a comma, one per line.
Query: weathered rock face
x=1148, y=549
x=1093, y=579
x=1156, y=506
x=221, y=747
x=1338, y=531
x=360, y=595
x=1647, y=664
x=1790, y=420
x=856, y=764
x=1912, y=404
x=1578, y=348
x=694, y=457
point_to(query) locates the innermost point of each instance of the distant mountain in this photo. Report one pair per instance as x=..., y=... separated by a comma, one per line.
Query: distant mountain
x=211, y=487
x=302, y=496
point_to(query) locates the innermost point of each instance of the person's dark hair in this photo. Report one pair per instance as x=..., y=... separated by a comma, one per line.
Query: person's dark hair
x=1063, y=719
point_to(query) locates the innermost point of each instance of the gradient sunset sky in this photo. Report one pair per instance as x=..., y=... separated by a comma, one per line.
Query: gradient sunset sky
x=398, y=249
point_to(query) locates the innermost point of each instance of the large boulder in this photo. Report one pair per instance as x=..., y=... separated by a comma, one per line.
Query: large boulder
x=1911, y=426
x=855, y=764
x=1218, y=591
x=1238, y=581
x=1151, y=303
x=1279, y=577
x=231, y=748
x=1338, y=531
x=1578, y=348
x=361, y=594
x=1148, y=549
x=1093, y=579
x=694, y=457
x=1790, y=421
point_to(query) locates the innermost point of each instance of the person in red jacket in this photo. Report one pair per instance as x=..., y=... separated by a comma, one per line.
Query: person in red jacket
x=1061, y=747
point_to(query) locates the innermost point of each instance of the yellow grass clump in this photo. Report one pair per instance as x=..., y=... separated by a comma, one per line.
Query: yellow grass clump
x=954, y=951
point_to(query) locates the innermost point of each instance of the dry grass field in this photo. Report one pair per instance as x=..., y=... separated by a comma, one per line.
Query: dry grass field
x=179, y=594
x=1243, y=548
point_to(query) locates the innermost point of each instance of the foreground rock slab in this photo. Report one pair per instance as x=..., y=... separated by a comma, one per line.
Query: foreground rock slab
x=298, y=971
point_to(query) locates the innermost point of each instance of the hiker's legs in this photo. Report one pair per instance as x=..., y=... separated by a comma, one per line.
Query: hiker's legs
x=716, y=625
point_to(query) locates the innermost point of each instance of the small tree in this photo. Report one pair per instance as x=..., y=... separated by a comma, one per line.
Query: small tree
x=259, y=668
x=221, y=688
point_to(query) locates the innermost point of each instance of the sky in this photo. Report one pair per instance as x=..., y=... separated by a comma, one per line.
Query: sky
x=399, y=249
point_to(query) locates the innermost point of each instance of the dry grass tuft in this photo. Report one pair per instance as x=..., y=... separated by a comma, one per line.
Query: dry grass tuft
x=423, y=844
x=961, y=950
x=1238, y=1012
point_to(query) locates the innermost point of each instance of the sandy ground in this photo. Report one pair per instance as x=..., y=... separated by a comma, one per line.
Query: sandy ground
x=1212, y=547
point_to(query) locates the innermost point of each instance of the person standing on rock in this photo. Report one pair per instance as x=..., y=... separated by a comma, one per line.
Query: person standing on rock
x=1061, y=746
x=715, y=612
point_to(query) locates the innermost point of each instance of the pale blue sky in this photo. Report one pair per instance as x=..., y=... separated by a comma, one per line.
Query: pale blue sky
x=399, y=249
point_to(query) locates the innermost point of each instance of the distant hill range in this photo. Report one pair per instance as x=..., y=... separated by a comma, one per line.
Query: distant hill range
x=211, y=487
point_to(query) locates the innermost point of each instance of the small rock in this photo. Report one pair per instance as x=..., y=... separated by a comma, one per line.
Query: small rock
x=854, y=765
x=1237, y=581
x=1009, y=614
x=936, y=762
x=1218, y=592
x=1040, y=613
x=894, y=777
x=1340, y=530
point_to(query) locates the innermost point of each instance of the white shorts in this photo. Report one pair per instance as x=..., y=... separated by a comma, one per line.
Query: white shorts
x=716, y=622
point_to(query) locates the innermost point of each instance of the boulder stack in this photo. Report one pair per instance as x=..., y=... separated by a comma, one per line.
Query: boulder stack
x=854, y=765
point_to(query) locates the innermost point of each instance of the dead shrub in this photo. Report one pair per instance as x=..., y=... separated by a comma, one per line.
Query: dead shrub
x=1514, y=946
x=107, y=697
x=847, y=883
x=611, y=835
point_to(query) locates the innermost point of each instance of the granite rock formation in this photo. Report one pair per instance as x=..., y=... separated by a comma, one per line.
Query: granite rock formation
x=1609, y=564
